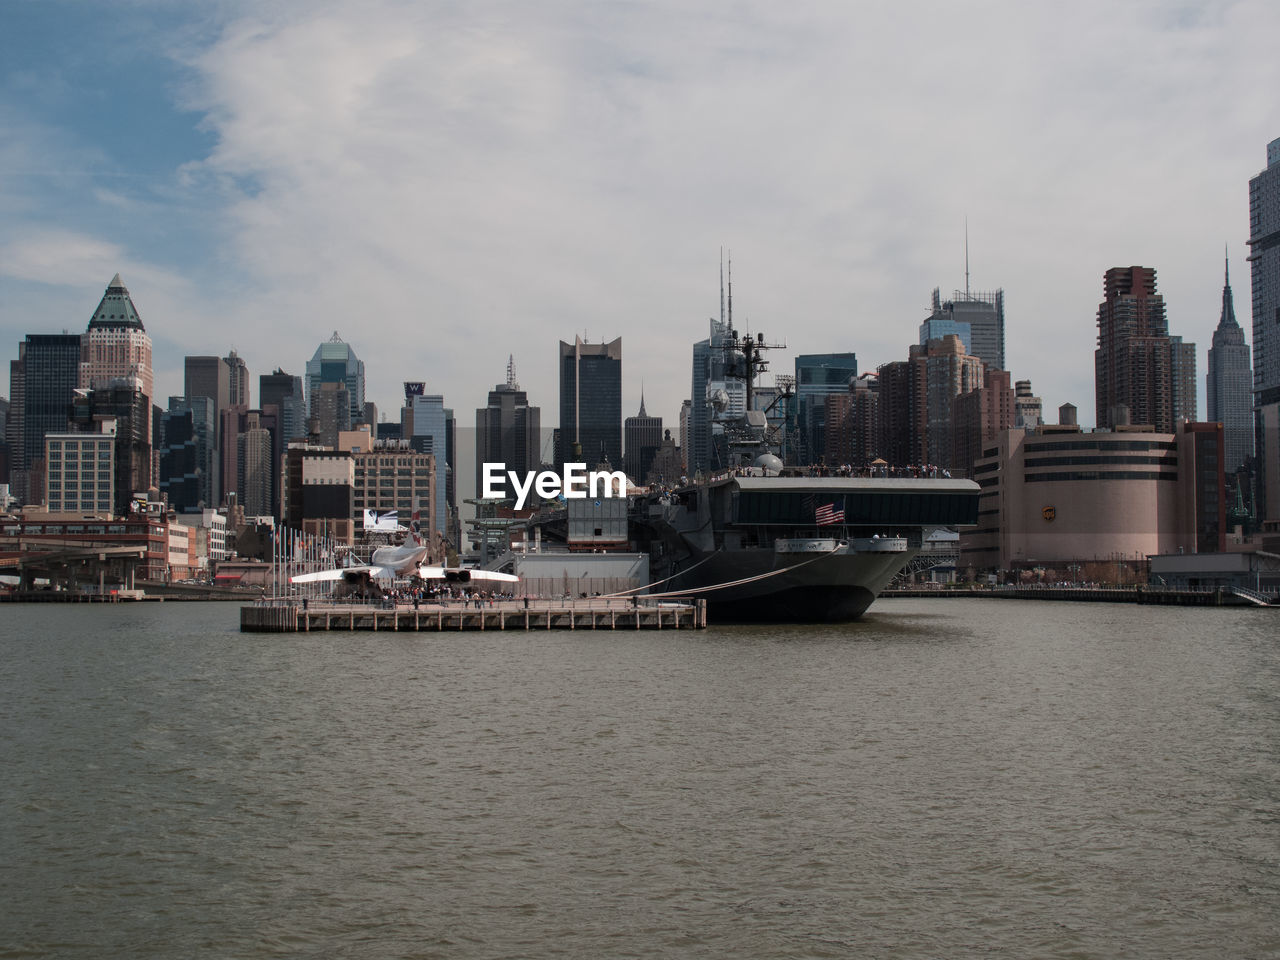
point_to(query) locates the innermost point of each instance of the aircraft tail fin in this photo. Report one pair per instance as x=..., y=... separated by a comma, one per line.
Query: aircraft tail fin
x=415, y=525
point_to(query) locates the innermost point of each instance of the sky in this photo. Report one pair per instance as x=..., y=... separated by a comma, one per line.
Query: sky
x=446, y=184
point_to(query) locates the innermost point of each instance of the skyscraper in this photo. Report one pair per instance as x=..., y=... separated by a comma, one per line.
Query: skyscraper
x=976, y=318
x=817, y=376
x=507, y=429
x=335, y=362
x=122, y=402
x=643, y=437
x=50, y=371
x=428, y=432
x=941, y=322
x=189, y=457
x=116, y=345
x=1229, y=383
x=1141, y=374
x=901, y=423
x=946, y=371
x=237, y=380
x=590, y=403
x=1264, y=259
x=207, y=377
x=712, y=393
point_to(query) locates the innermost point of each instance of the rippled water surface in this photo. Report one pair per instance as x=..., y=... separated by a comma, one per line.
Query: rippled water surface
x=947, y=778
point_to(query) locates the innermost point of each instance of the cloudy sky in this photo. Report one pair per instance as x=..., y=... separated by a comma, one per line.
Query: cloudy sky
x=447, y=183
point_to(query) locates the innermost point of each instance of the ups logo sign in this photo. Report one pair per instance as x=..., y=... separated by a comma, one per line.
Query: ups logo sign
x=1049, y=513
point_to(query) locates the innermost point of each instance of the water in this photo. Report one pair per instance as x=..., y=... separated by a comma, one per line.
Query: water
x=947, y=778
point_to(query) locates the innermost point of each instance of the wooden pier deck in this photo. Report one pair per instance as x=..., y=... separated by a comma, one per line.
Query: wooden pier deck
x=293, y=616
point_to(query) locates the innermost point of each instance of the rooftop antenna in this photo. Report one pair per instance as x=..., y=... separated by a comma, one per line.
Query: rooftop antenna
x=511, y=370
x=730, y=289
x=1226, y=266
x=722, y=286
x=966, y=257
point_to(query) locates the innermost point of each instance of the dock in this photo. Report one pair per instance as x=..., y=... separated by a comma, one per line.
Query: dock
x=296, y=616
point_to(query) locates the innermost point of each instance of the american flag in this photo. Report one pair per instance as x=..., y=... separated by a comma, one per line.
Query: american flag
x=827, y=513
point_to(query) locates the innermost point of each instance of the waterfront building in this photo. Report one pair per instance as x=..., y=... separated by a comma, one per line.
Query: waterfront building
x=508, y=429
x=1142, y=375
x=335, y=362
x=1077, y=502
x=181, y=553
x=1264, y=262
x=214, y=522
x=643, y=435
x=1229, y=382
x=590, y=403
x=49, y=534
x=81, y=472
x=817, y=376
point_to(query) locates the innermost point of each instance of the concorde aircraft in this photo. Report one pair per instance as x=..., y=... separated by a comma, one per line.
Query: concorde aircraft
x=399, y=562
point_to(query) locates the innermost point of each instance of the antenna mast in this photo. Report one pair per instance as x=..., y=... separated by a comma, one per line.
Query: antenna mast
x=966, y=258
x=731, y=290
x=722, y=286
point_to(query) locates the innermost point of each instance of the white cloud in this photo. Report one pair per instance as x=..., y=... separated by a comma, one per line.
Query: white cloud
x=446, y=184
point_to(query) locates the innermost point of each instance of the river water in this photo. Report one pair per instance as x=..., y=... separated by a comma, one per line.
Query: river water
x=946, y=778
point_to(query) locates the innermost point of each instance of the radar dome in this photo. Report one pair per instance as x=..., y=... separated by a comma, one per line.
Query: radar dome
x=720, y=399
x=769, y=463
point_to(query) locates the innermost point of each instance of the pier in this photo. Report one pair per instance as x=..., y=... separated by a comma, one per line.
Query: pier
x=295, y=616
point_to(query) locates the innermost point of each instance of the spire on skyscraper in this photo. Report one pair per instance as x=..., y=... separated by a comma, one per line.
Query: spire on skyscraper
x=1228, y=306
x=116, y=308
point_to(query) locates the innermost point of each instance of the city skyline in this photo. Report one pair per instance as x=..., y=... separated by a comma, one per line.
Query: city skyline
x=420, y=179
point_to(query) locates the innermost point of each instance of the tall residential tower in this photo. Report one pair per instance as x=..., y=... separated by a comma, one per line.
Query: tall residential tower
x=1141, y=374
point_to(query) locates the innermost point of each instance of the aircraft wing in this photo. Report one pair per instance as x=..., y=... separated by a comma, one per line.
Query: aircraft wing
x=463, y=575
x=346, y=573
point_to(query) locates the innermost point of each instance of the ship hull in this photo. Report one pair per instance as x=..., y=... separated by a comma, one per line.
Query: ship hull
x=829, y=588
